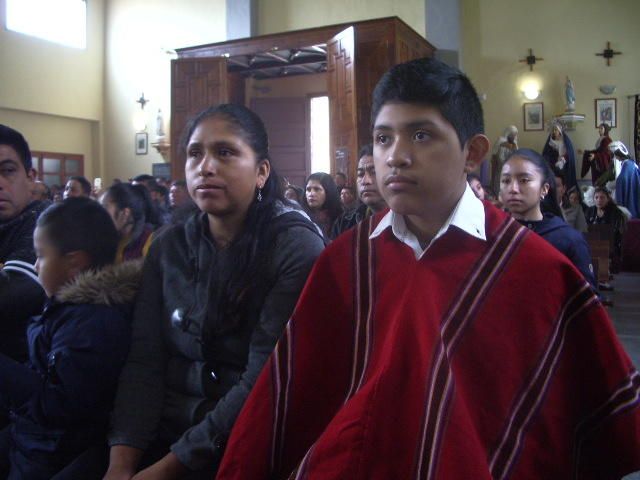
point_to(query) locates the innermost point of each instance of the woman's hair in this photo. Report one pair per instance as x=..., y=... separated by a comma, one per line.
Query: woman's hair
x=256, y=238
x=611, y=203
x=332, y=198
x=549, y=204
x=607, y=128
x=81, y=224
x=134, y=197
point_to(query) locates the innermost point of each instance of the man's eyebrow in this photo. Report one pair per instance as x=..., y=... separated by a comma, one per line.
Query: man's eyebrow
x=409, y=125
x=8, y=161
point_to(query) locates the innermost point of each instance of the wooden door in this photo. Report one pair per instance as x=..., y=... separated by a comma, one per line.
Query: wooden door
x=341, y=85
x=196, y=83
x=286, y=121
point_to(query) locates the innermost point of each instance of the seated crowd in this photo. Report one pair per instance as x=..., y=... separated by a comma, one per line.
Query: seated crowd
x=233, y=325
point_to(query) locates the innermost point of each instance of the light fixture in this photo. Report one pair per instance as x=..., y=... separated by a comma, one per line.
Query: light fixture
x=531, y=91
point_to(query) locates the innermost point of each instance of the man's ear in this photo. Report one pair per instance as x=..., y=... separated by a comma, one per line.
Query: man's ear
x=476, y=148
x=32, y=174
x=77, y=262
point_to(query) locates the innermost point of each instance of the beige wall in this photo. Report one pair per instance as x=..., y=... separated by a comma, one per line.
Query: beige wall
x=297, y=86
x=51, y=133
x=138, y=33
x=497, y=33
x=282, y=15
x=53, y=93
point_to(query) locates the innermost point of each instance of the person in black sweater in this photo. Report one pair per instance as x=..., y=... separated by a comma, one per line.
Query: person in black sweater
x=527, y=187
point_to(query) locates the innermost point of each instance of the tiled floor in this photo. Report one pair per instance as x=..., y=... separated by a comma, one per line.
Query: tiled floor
x=625, y=314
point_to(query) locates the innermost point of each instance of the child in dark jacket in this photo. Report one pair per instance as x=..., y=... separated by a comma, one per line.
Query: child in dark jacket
x=59, y=401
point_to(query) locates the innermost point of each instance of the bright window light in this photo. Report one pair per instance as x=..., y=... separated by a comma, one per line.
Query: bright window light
x=59, y=21
x=320, y=158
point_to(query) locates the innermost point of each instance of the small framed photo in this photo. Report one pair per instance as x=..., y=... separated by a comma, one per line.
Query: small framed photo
x=606, y=112
x=533, y=116
x=142, y=143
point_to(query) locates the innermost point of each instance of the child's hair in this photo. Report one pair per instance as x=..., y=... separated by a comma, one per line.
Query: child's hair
x=432, y=83
x=81, y=224
x=15, y=140
x=84, y=184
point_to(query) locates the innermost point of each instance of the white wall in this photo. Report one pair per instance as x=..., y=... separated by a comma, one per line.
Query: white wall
x=138, y=33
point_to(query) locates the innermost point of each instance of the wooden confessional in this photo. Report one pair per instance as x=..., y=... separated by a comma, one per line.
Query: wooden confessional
x=354, y=55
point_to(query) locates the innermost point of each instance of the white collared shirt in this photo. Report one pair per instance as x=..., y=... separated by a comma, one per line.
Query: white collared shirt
x=468, y=216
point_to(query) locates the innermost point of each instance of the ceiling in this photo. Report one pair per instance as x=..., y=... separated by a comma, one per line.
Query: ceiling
x=281, y=63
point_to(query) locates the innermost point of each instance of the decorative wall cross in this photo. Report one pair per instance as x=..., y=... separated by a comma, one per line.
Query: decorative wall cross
x=531, y=60
x=142, y=101
x=608, y=54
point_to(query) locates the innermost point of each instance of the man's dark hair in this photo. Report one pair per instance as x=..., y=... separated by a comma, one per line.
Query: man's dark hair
x=81, y=224
x=473, y=176
x=142, y=178
x=179, y=183
x=366, y=150
x=164, y=191
x=14, y=139
x=84, y=184
x=340, y=174
x=347, y=187
x=430, y=82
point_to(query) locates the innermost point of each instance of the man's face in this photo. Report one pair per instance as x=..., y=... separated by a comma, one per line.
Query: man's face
x=367, y=186
x=420, y=166
x=347, y=197
x=73, y=189
x=16, y=184
x=178, y=196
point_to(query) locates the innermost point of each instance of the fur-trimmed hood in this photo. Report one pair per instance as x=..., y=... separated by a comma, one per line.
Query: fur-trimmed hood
x=111, y=285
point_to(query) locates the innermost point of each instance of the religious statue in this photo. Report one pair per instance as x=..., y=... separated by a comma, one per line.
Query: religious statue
x=503, y=147
x=559, y=153
x=570, y=95
x=599, y=159
x=160, y=125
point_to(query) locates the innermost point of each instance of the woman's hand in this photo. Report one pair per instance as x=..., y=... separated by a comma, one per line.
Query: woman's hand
x=168, y=468
x=122, y=462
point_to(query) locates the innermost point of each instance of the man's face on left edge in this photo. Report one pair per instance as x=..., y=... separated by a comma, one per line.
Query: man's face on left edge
x=16, y=184
x=420, y=165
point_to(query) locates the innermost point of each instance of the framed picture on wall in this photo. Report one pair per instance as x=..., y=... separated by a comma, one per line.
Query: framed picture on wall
x=142, y=143
x=533, y=116
x=606, y=112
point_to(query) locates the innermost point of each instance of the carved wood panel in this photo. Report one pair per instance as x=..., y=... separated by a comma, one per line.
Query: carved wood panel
x=195, y=85
x=342, y=100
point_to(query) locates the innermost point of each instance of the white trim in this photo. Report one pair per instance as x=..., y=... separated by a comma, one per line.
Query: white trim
x=22, y=267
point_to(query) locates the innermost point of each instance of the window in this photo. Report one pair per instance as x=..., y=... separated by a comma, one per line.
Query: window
x=59, y=21
x=56, y=168
x=319, y=134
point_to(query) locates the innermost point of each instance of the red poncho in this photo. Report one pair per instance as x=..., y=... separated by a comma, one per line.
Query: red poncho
x=481, y=360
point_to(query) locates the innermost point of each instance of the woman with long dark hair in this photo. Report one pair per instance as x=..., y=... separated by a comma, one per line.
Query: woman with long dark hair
x=527, y=188
x=322, y=201
x=131, y=210
x=216, y=295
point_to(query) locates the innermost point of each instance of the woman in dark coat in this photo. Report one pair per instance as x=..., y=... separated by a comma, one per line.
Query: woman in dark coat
x=216, y=295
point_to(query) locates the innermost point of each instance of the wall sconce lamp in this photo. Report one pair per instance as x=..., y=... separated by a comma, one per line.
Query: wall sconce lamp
x=531, y=91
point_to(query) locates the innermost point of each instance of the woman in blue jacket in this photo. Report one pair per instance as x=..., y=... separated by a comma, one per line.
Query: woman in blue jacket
x=527, y=188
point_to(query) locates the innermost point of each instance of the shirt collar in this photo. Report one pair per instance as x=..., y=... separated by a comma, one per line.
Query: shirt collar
x=468, y=216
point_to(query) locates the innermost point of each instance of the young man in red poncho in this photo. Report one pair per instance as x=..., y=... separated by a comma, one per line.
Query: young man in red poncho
x=440, y=340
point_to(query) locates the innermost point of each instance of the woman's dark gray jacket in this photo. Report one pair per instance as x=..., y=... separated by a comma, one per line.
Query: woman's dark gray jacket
x=189, y=372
